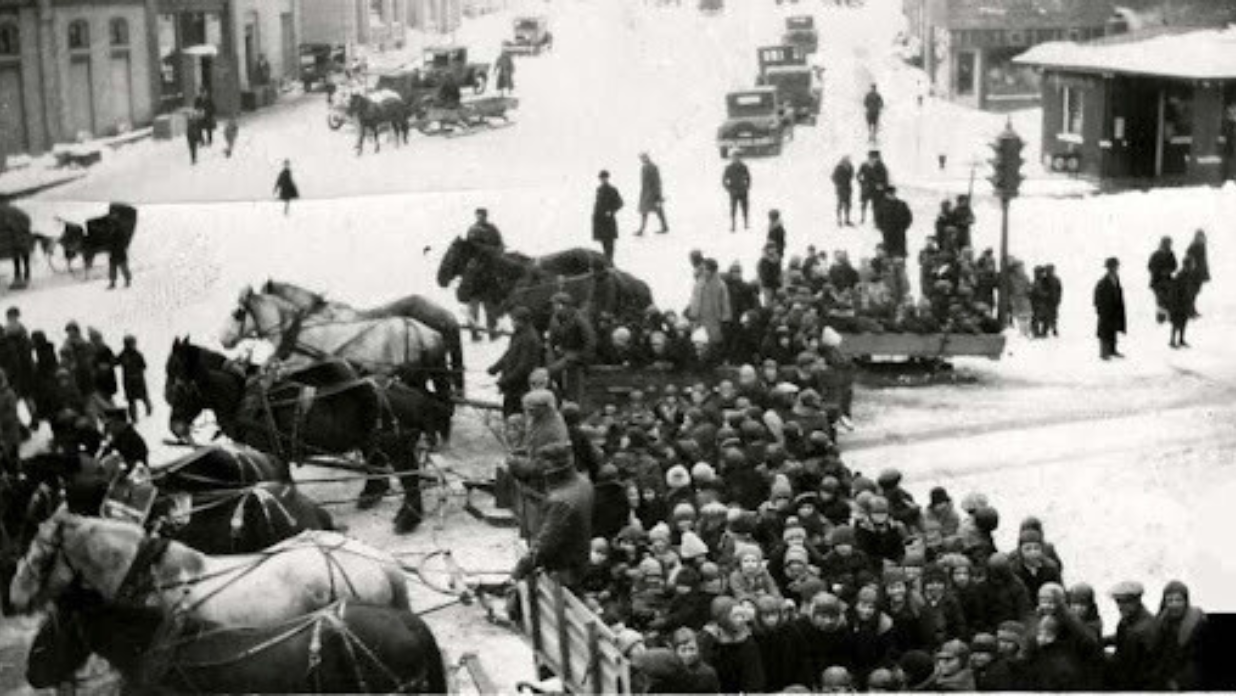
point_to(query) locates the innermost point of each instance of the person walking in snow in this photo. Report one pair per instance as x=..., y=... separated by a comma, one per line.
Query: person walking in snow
x=230, y=131
x=605, y=208
x=1179, y=298
x=504, y=68
x=651, y=196
x=1197, y=252
x=873, y=103
x=285, y=187
x=872, y=181
x=737, y=182
x=843, y=186
x=193, y=134
x=206, y=108
x=1109, y=305
x=1162, y=265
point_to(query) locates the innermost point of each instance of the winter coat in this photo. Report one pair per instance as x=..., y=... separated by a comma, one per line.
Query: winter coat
x=19, y=361
x=894, y=219
x=130, y=446
x=873, y=103
x=1019, y=292
x=608, y=203
x=650, y=194
x=573, y=337
x=710, y=306
x=692, y=610
x=769, y=272
x=873, y=645
x=962, y=681
x=737, y=178
x=505, y=69
x=776, y=237
x=1197, y=252
x=10, y=423
x=1179, y=643
x=1109, y=304
x=947, y=620
x=612, y=509
x=946, y=517
x=1179, y=295
x=970, y=599
x=1052, y=667
x=736, y=659
x=872, y=179
x=777, y=653
x=887, y=542
x=523, y=354
x=1005, y=597
x=1162, y=265
x=1134, y=666
x=818, y=650
x=843, y=179
x=744, y=586
x=562, y=543
x=286, y=187
x=912, y=630
x=105, y=371
x=132, y=370
x=700, y=679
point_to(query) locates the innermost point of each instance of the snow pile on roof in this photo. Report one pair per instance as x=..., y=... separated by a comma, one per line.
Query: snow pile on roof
x=1199, y=55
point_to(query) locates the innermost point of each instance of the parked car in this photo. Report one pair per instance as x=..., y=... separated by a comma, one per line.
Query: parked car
x=756, y=122
x=798, y=86
x=532, y=36
x=319, y=61
x=800, y=31
x=441, y=61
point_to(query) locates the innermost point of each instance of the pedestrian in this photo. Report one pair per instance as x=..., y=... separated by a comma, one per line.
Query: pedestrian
x=769, y=272
x=16, y=225
x=1040, y=301
x=604, y=209
x=133, y=377
x=78, y=354
x=572, y=344
x=1201, y=265
x=710, y=306
x=893, y=219
x=737, y=182
x=19, y=357
x=504, y=68
x=193, y=134
x=122, y=221
x=872, y=180
x=843, y=186
x=1162, y=265
x=1133, y=666
x=561, y=547
x=485, y=233
x=1109, y=305
x=651, y=196
x=776, y=232
x=1179, y=298
x=230, y=131
x=10, y=427
x=1181, y=629
x=45, y=367
x=1055, y=296
x=104, y=366
x=524, y=353
x=206, y=107
x=873, y=103
x=285, y=187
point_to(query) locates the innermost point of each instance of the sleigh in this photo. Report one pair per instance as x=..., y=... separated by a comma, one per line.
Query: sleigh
x=472, y=116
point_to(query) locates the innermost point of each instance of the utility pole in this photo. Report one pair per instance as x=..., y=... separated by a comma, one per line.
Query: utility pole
x=1006, y=179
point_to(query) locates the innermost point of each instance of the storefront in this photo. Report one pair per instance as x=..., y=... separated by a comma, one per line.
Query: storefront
x=1121, y=110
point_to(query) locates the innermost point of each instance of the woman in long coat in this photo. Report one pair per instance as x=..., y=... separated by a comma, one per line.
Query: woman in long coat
x=285, y=187
x=1201, y=267
x=710, y=303
x=505, y=69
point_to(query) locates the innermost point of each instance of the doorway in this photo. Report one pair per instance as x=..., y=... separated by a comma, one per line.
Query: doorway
x=81, y=100
x=1140, y=107
x=122, y=90
x=12, y=111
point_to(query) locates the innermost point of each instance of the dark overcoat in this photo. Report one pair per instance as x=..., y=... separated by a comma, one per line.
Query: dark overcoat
x=1109, y=305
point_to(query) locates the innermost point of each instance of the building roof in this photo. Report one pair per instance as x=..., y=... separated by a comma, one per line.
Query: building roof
x=1197, y=55
x=1027, y=14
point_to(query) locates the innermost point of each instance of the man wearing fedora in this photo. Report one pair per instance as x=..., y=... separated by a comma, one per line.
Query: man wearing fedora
x=1109, y=304
x=604, y=211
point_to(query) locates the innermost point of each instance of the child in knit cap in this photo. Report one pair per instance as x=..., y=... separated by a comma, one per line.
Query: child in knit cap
x=845, y=568
x=648, y=596
x=806, y=509
x=833, y=505
x=750, y=580
x=797, y=570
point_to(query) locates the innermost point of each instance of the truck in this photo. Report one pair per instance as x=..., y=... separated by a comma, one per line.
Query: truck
x=532, y=36
x=319, y=61
x=800, y=31
x=441, y=62
x=756, y=122
x=798, y=86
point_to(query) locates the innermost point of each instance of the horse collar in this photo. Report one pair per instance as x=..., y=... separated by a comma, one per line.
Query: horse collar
x=137, y=581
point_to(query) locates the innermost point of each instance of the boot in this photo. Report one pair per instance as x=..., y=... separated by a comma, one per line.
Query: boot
x=372, y=493
x=408, y=518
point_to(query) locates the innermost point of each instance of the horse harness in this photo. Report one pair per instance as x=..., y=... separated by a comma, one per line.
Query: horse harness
x=139, y=580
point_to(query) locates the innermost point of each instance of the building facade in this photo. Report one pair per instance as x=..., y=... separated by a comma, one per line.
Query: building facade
x=373, y=24
x=968, y=46
x=435, y=16
x=72, y=68
x=1125, y=114
x=233, y=49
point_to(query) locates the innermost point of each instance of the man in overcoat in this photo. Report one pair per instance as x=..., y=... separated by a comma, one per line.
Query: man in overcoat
x=604, y=224
x=524, y=354
x=1109, y=305
x=651, y=196
x=561, y=546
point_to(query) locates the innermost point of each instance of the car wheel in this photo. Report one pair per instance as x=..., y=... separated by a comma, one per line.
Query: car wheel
x=335, y=120
x=479, y=82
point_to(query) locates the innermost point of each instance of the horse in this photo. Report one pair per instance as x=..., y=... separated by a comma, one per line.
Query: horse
x=125, y=566
x=372, y=114
x=346, y=647
x=457, y=263
x=394, y=346
x=325, y=409
x=416, y=307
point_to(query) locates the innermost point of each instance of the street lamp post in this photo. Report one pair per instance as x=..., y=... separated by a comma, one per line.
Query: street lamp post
x=1006, y=179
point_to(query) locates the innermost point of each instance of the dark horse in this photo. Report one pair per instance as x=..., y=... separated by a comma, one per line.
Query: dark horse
x=371, y=115
x=347, y=647
x=511, y=279
x=321, y=410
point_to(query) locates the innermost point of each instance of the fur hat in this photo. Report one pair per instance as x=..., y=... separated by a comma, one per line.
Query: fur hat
x=973, y=502
x=692, y=547
x=939, y=496
x=796, y=554
x=934, y=573
x=892, y=576
x=677, y=477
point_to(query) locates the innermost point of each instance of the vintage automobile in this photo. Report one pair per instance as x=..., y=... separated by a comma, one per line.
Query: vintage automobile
x=318, y=62
x=532, y=36
x=443, y=61
x=711, y=6
x=798, y=87
x=755, y=122
x=800, y=31
x=412, y=85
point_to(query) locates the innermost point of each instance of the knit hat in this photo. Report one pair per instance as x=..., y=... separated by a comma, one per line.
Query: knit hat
x=877, y=504
x=745, y=550
x=826, y=603
x=843, y=535
x=1032, y=522
x=781, y=488
x=934, y=573
x=692, y=546
x=1029, y=536
x=1011, y=630
x=796, y=554
x=659, y=532
x=721, y=607
x=650, y=566
x=939, y=496
x=807, y=498
x=709, y=571
x=830, y=485
x=1081, y=593
x=892, y=576
x=794, y=534
x=984, y=643
x=683, y=512
x=703, y=473
x=955, y=648
x=987, y=519
x=889, y=478
x=830, y=338
x=677, y=477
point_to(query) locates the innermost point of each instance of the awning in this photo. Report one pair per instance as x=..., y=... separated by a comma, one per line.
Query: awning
x=1193, y=55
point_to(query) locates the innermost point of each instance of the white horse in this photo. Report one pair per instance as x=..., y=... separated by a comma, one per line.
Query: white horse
x=383, y=346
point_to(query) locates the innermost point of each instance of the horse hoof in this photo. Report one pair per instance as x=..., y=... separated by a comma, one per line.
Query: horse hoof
x=406, y=521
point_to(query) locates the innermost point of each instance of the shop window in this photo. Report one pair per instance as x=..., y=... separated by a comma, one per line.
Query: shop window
x=1004, y=78
x=966, y=65
x=10, y=40
x=79, y=35
x=1074, y=107
x=119, y=32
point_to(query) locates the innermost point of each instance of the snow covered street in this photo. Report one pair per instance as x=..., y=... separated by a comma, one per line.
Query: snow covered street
x=1130, y=464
